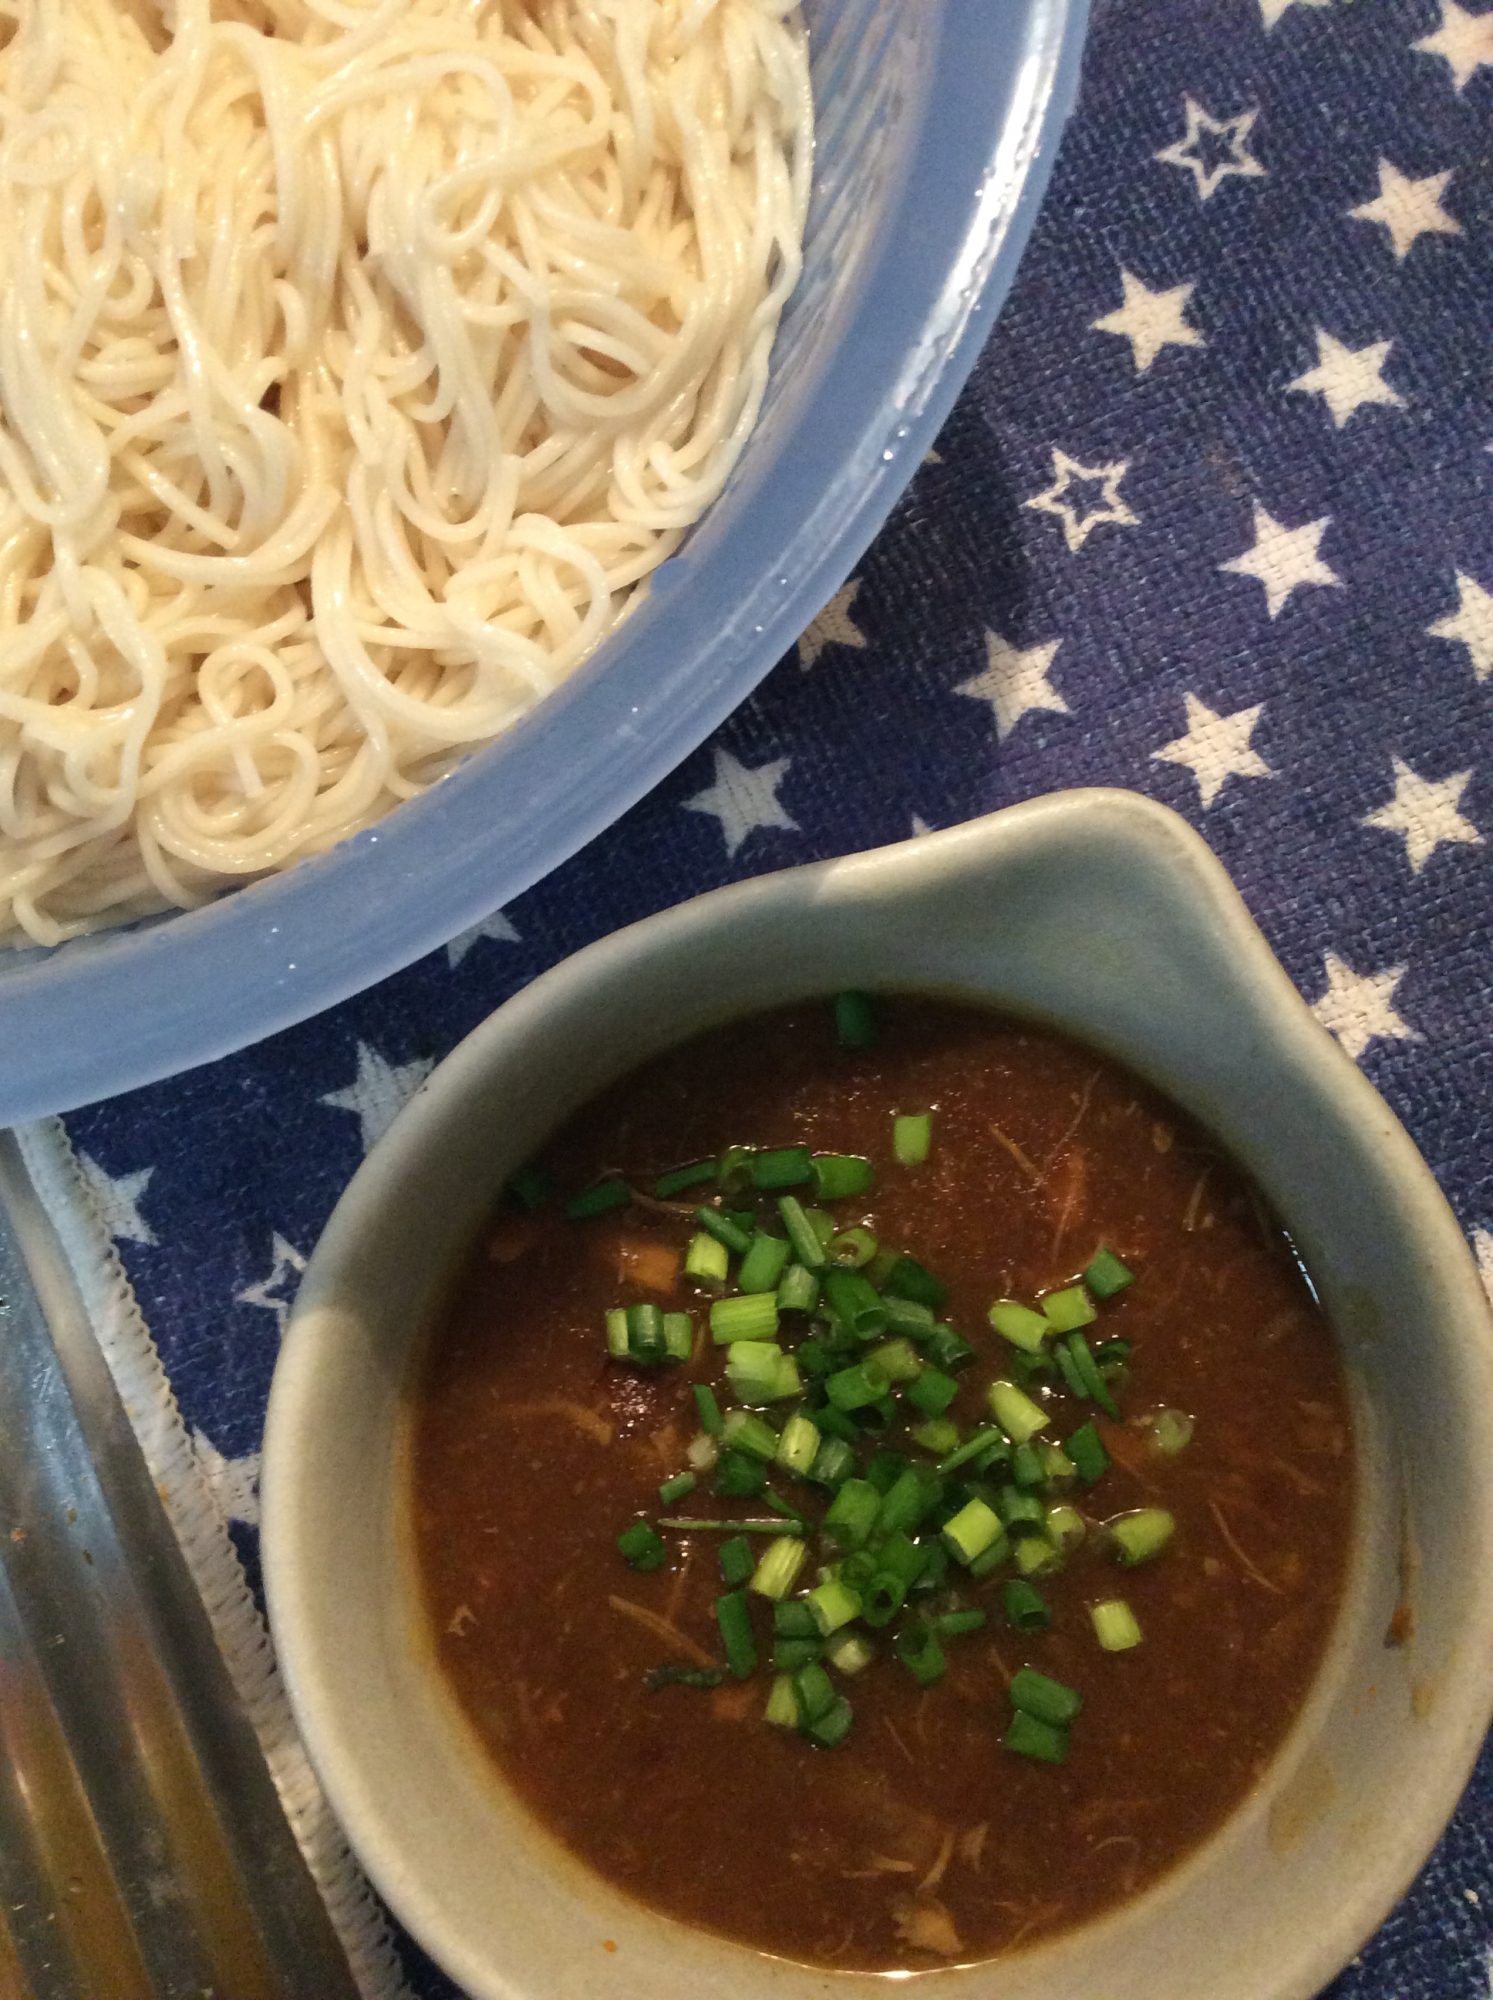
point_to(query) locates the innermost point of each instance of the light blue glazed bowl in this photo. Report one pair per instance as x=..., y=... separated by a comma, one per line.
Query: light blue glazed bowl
x=1105, y=916
x=937, y=122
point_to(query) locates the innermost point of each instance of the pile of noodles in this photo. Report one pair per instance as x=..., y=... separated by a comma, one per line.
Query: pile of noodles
x=356, y=363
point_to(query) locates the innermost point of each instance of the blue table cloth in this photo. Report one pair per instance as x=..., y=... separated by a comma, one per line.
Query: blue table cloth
x=1213, y=519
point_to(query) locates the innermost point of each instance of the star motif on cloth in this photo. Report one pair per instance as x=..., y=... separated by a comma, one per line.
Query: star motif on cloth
x=286, y=1267
x=1216, y=748
x=1079, y=525
x=1358, y=1007
x=1191, y=151
x=1463, y=41
x=496, y=927
x=118, y=1200
x=378, y=1091
x=743, y=800
x=1150, y=320
x=1424, y=813
x=1015, y=682
x=1272, y=10
x=1471, y=624
x=1283, y=559
x=833, y=627
x=233, y=1482
x=1408, y=209
x=1346, y=377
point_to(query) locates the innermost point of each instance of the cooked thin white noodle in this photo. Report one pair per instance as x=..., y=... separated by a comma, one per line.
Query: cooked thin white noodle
x=356, y=364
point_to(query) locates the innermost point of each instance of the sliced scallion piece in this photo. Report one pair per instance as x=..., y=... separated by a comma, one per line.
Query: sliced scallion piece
x=798, y=1447
x=749, y=1316
x=711, y=1420
x=1030, y=1737
x=937, y=1436
x=1136, y=1538
x=707, y=1260
x=1088, y=1373
x=612, y=1192
x=783, y=1167
x=833, y=1726
x=1018, y=1416
x=1024, y=1607
x=932, y=1391
x=725, y=1229
x=738, y=1477
x=778, y=1567
x=790, y=1655
x=837, y=1176
x=852, y=1514
x=762, y=1266
x=759, y=1371
x=971, y=1531
x=617, y=1333
x=852, y=1249
x=912, y=1137
x=643, y=1548
x=1065, y=1527
x=1171, y=1432
x=954, y=1624
x=781, y=1707
x=674, y=1489
x=833, y=1462
x=1106, y=1275
x=833, y=1604
x=855, y=1303
x=744, y=1431
x=849, y=1652
x=1069, y=1309
x=679, y=1336
x=917, y=1647
x=855, y=1387
x=737, y=1561
x=907, y=1317
x=1036, y=1555
x=677, y=1179
x=971, y=1448
x=947, y=1349
x=735, y=1621
x=1086, y=1449
x=908, y=1279
x=1020, y=1325
x=1115, y=1625
x=645, y=1334
x=798, y=1290
x=802, y=1234
x=1050, y=1701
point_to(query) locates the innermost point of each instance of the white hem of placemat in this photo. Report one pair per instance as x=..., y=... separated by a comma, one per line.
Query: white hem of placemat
x=213, y=1561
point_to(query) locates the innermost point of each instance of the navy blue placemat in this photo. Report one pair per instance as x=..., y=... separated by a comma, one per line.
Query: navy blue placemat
x=1212, y=520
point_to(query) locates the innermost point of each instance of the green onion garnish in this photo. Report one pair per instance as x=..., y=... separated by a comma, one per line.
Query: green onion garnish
x=1018, y=1416
x=953, y=1624
x=856, y=1387
x=711, y=1420
x=738, y=1477
x=798, y=1447
x=1070, y=1309
x=617, y=1346
x=745, y=1432
x=1137, y=1537
x=1107, y=1275
x=971, y=1531
x=971, y=1448
x=645, y=1334
x=1022, y=1513
x=1024, y=1607
x=679, y=1178
x=840, y=1175
x=1034, y=1555
x=1171, y=1432
x=798, y=1290
x=707, y=1260
x=855, y=1020
x=1026, y=1466
x=849, y=1652
x=855, y=1303
x=833, y=1726
x=852, y=1514
x=1049, y=1700
x=1065, y=1527
x=905, y=1504
x=679, y=1336
x=813, y=1690
x=907, y=1279
x=790, y=1656
x=735, y=1621
x=781, y=1707
x=751, y=1316
x=912, y=1136
x=932, y=1392
x=613, y=1192
x=852, y=1249
x=802, y=1234
x=778, y=1567
x=641, y=1546
x=917, y=1647
x=1088, y=1373
x=762, y=1266
x=1115, y=1625
x=725, y=1229
x=737, y=1561
x=937, y=1436
x=947, y=1349
x=833, y=1604
x=1086, y=1449
x=907, y=1317
x=1020, y=1325
x=676, y=1488
x=786, y=1167
x=758, y=1370
x=1029, y=1737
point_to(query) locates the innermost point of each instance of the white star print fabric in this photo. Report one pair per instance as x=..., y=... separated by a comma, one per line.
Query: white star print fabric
x=1213, y=520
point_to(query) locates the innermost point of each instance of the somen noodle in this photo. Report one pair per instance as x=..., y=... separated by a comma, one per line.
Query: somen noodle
x=356, y=365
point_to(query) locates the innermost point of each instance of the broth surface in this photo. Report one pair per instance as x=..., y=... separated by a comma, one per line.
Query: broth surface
x=920, y=1839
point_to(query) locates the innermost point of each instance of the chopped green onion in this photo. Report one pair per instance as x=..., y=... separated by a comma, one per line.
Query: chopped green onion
x=1024, y=1607
x=833, y=1604
x=1171, y=1432
x=855, y=1303
x=789, y=1655
x=724, y=1229
x=529, y=1187
x=1018, y=1416
x=834, y=1461
x=1029, y=1737
x=797, y=1523
x=831, y=1728
x=1115, y=1625
x=750, y=1316
x=852, y=1249
x=689, y=1525
x=1037, y=1555
x=707, y=1260
x=643, y=1548
x=711, y=1420
x=793, y=1619
x=679, y=1178
x=1065, y=1527
x=1137, y=1537
x=679, y=1336
x=1086, y=1449
x=645, y=1334
x=854, y=1387
x=1019, y=1324
x=733, y=1169
x=813, y=1691
x=839, y=1175
x=1026, y=1466
x=954, y=1624
x=897, y=1359
x=1022, y=1512
x=735, y=1621
x=971, y=1448
x=778, y=1567
x=947, y=1349
x=613, y=1192
x=918, y=1649
x=850, y=1652
x=759, y=1371
x=936, y=1436
x=786, y=1167
x=990, y=1560
x=855, y=1020
x=1088, y=1373
x=676, y=1488
x=1057, y=1468
x=905, y=1504
x=1049, y=1700
x=1111, y=1353
x=907, y=1279
x=906, y=1316
x=971, y=1531
x=852, y=1514
x=802, y=1234
x=1070, y=1309
x=934, y=1573
x=738, y=1477
x=781, y=1707
x=799, y=1445
x=885, y=1467
x=912, y=1136
x=737, y=1561
x=932, y=1392
x=745, y=1432
x=1107, y=1275
x=798, y=1290
x=762, y=1266
x=1068, y=1369
x=617, y=1333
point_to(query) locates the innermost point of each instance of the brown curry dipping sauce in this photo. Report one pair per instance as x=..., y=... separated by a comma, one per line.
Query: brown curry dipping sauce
x=920, y=1839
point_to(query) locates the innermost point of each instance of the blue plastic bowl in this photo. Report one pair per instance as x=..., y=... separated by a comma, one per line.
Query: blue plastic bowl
x=937, y=122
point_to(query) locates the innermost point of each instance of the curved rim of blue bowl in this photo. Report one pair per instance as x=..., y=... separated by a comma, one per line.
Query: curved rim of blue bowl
x=128, y=1008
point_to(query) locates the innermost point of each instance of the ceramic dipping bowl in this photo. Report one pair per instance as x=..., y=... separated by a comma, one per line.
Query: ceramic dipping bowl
x=1104, y=916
